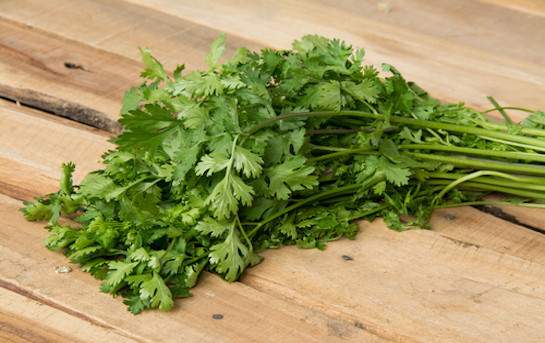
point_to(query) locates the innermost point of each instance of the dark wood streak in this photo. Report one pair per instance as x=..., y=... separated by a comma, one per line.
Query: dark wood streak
x=67, y=109
x=28, y=294
x=8, y=331
x=16, y=192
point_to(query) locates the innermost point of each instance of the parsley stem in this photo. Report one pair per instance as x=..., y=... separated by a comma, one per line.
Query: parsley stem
x=500, y=109
x=520, y=179
x=502, y=127
x=241, y=229
x=326, y=148
x=520, y=145
x=472, y=151
x=491, y=203
x=493, y=188
x=369, y=212
x=403, y=120
x=464, y=161
x=324, y=194
x=341, y=153
x=466, y=178
x=515, y=108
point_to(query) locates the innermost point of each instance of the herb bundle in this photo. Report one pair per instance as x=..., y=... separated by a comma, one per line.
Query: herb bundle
x=275, y=148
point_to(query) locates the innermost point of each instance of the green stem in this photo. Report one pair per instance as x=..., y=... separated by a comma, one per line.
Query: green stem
x=480, y=152
x=366, y=213
x=496, y=108
x=407, y=121
x=520, y=145
x=465, y=161
x=502, y=127
x=340, y=154
x=468, y=177
x=533, y=180
x=325, y=194
x=195, y=259
x=493, y=188
x=500, y=109
x=521, y=180
x=337, y=131
x=326, y=148
x=241, y=229
x=491, y=203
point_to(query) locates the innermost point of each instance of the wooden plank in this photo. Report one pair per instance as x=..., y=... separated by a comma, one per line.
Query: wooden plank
x=37, y=163
x=440, y=50
x=23, y=319
x=413, y=286
x=122, y=28
x=531, y=7
x=418, y=285
x=33, y=70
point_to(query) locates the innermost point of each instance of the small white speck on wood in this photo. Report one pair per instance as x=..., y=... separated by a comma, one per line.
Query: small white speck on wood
x=63, y=269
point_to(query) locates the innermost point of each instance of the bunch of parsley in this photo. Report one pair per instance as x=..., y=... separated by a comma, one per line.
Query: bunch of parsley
x=269, y=149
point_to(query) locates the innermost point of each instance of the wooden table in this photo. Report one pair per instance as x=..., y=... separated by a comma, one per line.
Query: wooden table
x=474, y=277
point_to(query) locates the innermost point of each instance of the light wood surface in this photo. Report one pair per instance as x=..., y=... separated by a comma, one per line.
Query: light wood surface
x=473, y=278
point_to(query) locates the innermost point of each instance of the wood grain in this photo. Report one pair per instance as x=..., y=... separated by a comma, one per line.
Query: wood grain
x=532, y=7
x=33, y=71
x=121, y=28
x=23, y=319
x=459, y=51
x=413, y=286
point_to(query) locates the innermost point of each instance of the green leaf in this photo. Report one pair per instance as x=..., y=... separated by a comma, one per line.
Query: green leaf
x=131, y=100
x=67, y=186
x=288, y=228
x=367, y=90
x=229, y=257
x=325, y=96
x=216, y=51
x=157, y=292
x=36, y=210
x=82, y=255
x=154, y=69
x=136, y=304
x=212, y=227
x=146, y=128
x=226, y=195
x=60, y=237
x=211, y=164
x=118, y=271
x=247, y=162
x=99, y=186
x=395, y=174
x=290, y=176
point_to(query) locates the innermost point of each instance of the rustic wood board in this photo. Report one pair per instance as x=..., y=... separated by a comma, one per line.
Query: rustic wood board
x=474, y=277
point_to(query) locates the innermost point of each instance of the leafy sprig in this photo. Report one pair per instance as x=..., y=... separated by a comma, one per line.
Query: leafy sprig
x=273, y=148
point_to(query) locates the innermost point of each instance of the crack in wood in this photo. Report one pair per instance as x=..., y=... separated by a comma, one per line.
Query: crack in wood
x=56, y=106
x=28, y=294
x=501, y=214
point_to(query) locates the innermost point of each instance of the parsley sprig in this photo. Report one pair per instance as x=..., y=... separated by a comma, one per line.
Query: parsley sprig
x=273, y=148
